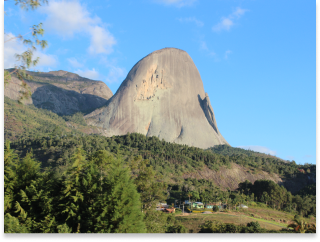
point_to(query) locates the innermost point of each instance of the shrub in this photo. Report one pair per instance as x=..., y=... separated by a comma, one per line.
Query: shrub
x=262, y=205
x=177, y=229
x=252, y=204
x=255, y=225
x=215, y=208
x=297, y=217
x=228, y=228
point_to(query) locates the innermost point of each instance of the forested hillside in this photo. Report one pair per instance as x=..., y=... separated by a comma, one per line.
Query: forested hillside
x=172, y=162
x=49, y=153
x=228, y=150
x=27, y=121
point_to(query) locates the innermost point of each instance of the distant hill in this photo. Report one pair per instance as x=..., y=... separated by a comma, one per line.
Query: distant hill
x=27, y=121
x=228, y=150
x=174, y=162
x=61, y=92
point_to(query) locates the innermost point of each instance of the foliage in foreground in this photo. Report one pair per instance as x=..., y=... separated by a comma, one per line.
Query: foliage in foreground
x=94, y=195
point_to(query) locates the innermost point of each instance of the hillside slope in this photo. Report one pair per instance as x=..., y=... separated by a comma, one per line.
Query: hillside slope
x=61, y=92
x=27, y=121
x=175, y=163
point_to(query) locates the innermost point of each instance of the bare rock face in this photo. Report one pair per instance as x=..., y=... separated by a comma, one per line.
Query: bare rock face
x=162, y=96
x=61, y=92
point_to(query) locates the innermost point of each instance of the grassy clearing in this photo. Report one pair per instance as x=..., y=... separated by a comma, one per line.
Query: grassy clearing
x=272, y=215
x=268, y=218
x=194, y=221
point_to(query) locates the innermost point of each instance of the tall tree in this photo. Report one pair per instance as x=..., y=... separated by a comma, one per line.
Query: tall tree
x=32, y=199
x=72, y=199
x=122, y=212
x=10, y=160
x=151, y=190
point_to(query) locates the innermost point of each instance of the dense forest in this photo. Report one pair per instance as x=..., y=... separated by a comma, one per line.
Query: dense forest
x=78, y=179
x=59, y=155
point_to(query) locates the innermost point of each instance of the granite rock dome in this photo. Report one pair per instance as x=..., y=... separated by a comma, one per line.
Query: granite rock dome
x=162, y=96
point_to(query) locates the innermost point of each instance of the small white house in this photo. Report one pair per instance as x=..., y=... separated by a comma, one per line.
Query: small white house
x=243, y=206
x=162, y=206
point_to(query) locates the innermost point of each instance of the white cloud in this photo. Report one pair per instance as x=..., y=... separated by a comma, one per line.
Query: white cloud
x=101, y=41
x=68, y=18
x=239, y=12
x=227, y=53
x=191, y=20
x=115, y=74
x=14, y=46
x=45, y=59
x=91, y=74
x=176, y=3
x=260, y=149
x=227, y=22
x=74, y=62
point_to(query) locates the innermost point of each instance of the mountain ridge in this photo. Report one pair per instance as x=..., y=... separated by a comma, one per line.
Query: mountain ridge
x=62, y=92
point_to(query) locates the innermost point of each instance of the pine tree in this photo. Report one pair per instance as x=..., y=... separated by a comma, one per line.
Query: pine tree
x=10, y=159
x=151, y=191
x=121, y=203
x=27, y=175
x=12, y=225
x=72, y=197
x=91, y=191
x=102, y=159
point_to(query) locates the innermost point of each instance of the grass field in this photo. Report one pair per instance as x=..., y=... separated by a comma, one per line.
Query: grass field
x=268, y=218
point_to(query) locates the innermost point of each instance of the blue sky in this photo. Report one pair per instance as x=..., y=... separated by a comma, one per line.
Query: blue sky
x=256, y=58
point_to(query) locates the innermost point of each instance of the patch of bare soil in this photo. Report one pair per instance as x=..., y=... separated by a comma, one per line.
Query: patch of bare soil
x=230, y=178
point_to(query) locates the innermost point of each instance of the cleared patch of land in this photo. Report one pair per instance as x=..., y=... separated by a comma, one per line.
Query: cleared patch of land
x=268, y=218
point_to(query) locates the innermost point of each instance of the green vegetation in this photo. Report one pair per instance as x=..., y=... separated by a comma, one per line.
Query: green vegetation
x=67, y=169
x=168, y=161
x=95, y=193
x=27, y=122
x=58, y=179
x=308, y=190
x=300, y=226
x=278, y=197
x=252, y=227
x=76, y=118
x=268, y=163
x=215, y=208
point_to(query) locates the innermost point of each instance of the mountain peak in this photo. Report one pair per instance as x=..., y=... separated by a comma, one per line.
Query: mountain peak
x=162, y=96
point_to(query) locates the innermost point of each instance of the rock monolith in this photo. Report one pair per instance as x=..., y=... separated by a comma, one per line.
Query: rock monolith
x=162, y=96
